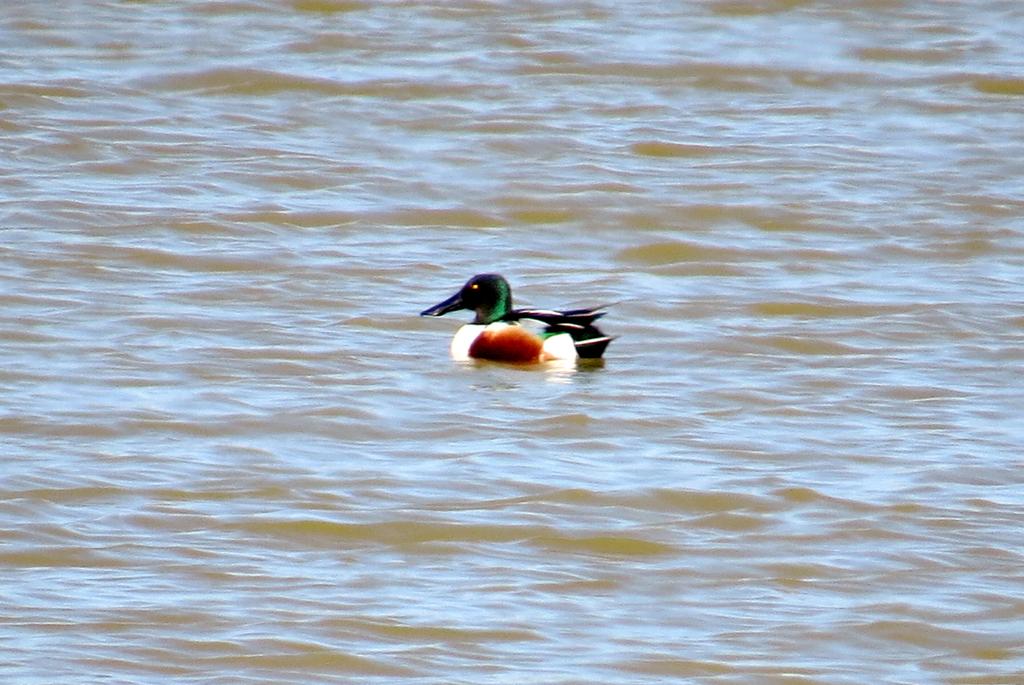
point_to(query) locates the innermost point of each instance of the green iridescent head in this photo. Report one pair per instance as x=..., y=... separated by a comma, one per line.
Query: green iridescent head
x=489, y=295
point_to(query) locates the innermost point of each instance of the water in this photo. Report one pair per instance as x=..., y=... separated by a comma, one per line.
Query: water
x=233, y=452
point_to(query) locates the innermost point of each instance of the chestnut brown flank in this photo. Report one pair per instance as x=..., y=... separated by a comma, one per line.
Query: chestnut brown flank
x=511, y=344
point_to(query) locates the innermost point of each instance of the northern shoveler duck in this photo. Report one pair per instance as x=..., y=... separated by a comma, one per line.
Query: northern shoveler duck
x=495, y=333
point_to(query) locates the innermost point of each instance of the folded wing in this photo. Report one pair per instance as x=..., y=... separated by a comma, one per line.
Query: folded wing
x=590, y=342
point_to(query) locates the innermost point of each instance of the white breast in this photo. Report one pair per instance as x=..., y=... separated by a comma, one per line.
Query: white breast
x=463, y=340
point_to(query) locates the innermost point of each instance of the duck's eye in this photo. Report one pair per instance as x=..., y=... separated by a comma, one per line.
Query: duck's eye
x=475, y=286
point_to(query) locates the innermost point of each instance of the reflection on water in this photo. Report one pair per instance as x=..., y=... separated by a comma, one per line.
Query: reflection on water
x=233, y=451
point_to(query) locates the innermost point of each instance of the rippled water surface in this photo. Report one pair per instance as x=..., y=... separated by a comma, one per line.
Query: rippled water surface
x=234, y=453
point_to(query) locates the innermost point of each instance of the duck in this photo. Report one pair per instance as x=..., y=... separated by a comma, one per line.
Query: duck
x=496, y=333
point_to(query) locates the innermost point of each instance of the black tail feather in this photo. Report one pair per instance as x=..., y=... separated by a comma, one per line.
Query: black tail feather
x=592, y=348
